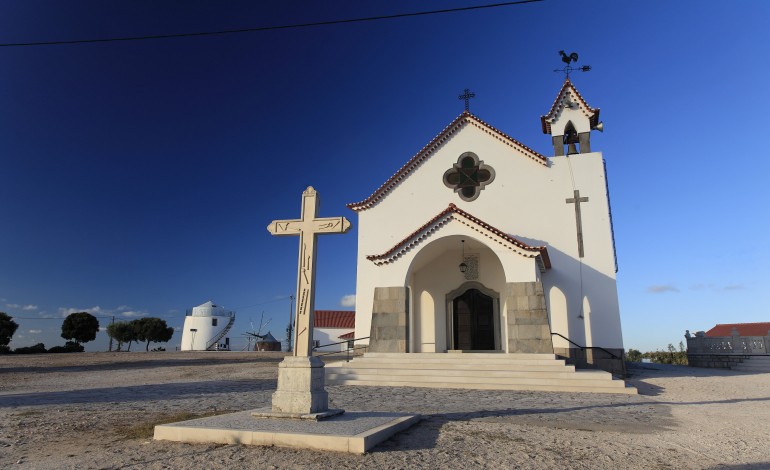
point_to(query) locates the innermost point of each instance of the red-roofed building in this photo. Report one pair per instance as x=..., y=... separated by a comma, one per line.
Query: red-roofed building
x=743, y=329
x=730, y=345
x=329, y=326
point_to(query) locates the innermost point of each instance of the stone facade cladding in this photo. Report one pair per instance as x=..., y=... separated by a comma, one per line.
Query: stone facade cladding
x=390, y=320
x=527, y=317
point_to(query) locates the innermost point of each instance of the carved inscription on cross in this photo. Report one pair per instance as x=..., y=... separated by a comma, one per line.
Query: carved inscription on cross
x=577, y=200
x=307, y=227
x=467, y=95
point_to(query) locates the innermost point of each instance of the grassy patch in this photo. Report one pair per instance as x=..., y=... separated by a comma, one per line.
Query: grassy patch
x=146, y=429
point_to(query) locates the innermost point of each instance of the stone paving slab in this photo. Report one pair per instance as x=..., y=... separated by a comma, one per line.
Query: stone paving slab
x=353, y=432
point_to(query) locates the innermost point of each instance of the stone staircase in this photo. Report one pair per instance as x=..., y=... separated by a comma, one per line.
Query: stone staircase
x=754, y=364
x=482, y=371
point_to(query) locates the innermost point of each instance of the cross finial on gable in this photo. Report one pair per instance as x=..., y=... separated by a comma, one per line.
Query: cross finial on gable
x=467, y=95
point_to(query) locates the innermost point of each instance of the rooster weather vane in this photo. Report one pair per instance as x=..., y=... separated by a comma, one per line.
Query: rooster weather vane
x=569, y=59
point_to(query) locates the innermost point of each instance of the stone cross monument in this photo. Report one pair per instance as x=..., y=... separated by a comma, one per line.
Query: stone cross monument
x=301, y=376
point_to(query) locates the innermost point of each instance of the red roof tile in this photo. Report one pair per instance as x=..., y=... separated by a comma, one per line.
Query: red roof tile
x=334, y=319
x=744, y=329
x=558, y=105
x=461, y=121
x=350, y=335
x=441, y=219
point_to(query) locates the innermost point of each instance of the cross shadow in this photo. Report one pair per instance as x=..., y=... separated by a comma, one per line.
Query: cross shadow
x=137, y=393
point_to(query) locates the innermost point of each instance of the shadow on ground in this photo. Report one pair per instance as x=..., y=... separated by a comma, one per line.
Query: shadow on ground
x=137, y=393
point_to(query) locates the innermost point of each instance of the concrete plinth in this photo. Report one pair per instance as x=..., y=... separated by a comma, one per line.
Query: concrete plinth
x=353, y=432
x=300, y=387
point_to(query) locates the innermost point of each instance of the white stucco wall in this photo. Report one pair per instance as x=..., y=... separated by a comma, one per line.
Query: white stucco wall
x=527, y=201
x=202, y=319
x=328, y=336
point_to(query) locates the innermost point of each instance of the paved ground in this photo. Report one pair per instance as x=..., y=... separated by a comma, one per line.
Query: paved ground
x=95, y=410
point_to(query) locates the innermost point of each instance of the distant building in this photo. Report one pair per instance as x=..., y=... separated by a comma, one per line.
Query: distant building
x=205, y=328
x=267, y=343
x=333, y=326
x=738, y=346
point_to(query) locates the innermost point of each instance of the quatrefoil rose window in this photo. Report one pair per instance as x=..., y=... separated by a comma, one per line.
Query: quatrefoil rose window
x=468, y=176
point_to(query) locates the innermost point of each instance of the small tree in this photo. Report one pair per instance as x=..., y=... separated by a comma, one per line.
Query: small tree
x=152, y=329
x=7, y=329
x=634, y=355
x=122, y=332
x=81, y=327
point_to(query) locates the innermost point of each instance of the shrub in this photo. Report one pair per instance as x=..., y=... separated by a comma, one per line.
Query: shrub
x=36, y=349
x=69, y=347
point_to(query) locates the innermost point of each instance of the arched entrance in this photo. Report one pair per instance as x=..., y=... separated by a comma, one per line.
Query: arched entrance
x=474, y=323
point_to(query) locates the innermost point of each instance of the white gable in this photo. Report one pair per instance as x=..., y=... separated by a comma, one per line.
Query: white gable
x=526, y=198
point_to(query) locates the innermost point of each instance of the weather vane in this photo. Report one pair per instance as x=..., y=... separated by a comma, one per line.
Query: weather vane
x=569, y=59
x=467, y=95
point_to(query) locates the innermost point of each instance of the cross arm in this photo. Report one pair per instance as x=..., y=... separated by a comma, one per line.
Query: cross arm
x=331, y=225
x=285, y=227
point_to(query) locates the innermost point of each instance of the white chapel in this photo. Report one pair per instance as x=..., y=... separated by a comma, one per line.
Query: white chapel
x=479, y=243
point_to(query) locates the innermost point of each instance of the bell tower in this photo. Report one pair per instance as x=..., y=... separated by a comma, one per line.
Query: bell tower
x=570, y=122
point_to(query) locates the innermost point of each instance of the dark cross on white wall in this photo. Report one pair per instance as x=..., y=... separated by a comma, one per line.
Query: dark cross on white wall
x=467, y=95
x=577, y=200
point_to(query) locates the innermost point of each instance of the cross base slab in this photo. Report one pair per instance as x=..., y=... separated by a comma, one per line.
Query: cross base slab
x=309, y=416
x=300, y=387
x=354, y=432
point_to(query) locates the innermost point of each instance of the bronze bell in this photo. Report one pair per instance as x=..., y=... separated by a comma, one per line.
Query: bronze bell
x=572, y=149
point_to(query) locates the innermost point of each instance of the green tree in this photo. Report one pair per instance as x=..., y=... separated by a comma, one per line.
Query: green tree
x=7, y=329
x=81, y=326
x=152, y=329
x=634, y=355
x=122, y=332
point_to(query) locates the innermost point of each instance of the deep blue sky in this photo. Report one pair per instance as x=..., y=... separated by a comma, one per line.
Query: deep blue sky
x=138, y=177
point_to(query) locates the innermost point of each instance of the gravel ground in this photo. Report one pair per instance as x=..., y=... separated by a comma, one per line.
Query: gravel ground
x=96, y=410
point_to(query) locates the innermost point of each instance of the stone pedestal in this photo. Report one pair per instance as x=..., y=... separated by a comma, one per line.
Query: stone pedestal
x=528, y=329
x=300, y=386
x=390, y=320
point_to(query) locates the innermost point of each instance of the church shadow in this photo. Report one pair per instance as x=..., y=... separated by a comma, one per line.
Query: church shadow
x=136, y=393
x=610, y=417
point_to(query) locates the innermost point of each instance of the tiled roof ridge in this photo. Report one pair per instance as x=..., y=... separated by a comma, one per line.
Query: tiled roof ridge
x=744, y=329
x=334, y=319
x=404, y=244
x=458, y=123
x=591, y=113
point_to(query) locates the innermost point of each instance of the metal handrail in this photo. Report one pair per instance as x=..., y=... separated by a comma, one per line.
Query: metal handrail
x=583, y=348
x=347, y=351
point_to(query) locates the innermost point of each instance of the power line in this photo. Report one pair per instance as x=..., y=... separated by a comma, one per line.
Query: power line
x=263, y=303
x=269, y=28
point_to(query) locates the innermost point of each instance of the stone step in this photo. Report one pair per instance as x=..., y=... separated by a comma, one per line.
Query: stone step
x=456, y=361
x=488, y=371
x=494, y=386
x=462, y=355
x=552, y=367
x=470, y=376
